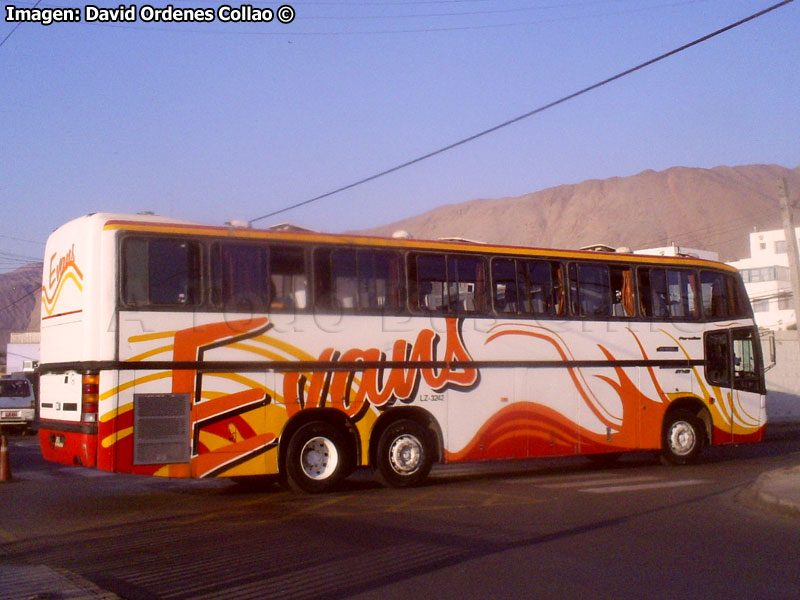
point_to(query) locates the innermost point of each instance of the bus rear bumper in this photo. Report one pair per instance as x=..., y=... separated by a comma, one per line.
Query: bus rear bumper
x=72, y=444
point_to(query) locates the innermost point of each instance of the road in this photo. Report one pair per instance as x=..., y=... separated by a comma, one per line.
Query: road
x=537, y=529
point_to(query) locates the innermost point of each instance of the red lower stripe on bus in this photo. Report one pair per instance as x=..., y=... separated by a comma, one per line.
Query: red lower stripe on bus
x=69, y=448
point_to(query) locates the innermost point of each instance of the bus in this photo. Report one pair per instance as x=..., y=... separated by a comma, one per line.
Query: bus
x=176, y=349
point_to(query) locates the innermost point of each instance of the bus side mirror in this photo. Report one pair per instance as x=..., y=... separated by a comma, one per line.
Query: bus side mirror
x=768, y=341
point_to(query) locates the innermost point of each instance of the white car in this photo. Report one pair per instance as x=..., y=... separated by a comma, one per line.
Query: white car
x=17, y=404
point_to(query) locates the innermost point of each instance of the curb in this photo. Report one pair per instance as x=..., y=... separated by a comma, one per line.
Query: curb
x=768, y=491
x=40, y=582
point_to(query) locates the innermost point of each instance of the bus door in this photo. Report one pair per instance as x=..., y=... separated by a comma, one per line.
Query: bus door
x=733, y=364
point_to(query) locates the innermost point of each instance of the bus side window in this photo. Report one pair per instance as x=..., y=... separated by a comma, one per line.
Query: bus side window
x=428, y=276
x=622, y=291
x=739, y=301
x=716, y=303
x=746, y=362
x=335, y=284
x=134, y=272
x=160, y=272
x=590, y=290
x=653, y=292
x=717, y=349
x=467, y=284
x=682, y=299
x=379, y=277
x=174, y=272
x=447, y=283
x=239, y=277
x=540, y=287
x=668, y=293
x=504, y=286
x=288, y=279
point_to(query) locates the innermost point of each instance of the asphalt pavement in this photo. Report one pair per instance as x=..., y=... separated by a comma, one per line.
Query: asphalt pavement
x=775, y=490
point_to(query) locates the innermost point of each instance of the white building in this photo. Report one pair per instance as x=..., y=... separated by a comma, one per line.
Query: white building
x=766, y=277
x=23, y=347
x=675, y=250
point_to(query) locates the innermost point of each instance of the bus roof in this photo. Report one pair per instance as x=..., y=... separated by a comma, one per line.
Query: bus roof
x=158, y=224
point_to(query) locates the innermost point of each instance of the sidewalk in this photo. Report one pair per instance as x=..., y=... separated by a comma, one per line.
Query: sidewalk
x=780, y=489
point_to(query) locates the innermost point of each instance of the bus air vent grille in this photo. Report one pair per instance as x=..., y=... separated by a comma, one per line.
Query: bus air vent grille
x=161, y=425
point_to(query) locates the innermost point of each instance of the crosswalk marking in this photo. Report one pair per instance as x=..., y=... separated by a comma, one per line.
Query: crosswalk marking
x=542, y=481
x=85, y=472
x=603, y=482
x=614, y=489
x=33, y=475
x=58, y=473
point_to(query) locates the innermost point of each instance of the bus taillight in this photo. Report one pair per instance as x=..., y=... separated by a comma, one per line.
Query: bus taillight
x=90, y=389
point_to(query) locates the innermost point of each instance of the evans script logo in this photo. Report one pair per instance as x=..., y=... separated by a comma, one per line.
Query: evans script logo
x=61, y=269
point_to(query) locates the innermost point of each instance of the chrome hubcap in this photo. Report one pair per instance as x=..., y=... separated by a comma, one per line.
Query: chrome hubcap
x=682, y=438
x=405, y=454
x=319, y=458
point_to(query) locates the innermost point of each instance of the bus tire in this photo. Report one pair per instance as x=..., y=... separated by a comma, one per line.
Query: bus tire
x=683, y=438
x=316, y=458
x=404, y=457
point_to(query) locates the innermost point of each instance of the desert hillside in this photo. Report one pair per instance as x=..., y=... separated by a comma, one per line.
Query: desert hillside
x=20, y=293
x=712, y=209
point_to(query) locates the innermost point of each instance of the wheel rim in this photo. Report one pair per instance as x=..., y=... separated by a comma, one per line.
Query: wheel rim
x=682, y=438
x=319, y=458
x=405, y=454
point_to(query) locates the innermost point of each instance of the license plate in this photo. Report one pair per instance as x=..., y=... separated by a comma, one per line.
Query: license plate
x=10, y=414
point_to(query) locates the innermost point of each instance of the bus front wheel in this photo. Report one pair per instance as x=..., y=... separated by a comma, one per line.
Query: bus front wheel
x=404, y=456
x=316, y=458
x=683, y=438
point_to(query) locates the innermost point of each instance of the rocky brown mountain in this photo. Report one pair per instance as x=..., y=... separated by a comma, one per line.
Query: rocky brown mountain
x=711, y=209
x=20, y=294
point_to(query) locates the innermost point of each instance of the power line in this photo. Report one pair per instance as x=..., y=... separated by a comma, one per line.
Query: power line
x=21, y=298
x=10, y=33
x=535, y=111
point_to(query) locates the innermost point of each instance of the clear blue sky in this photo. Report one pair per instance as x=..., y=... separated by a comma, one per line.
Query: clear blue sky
x=219, y=121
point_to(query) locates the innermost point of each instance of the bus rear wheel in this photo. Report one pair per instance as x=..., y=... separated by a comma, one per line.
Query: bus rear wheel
x=683, y=438
x=404, y=457
x=316, y=458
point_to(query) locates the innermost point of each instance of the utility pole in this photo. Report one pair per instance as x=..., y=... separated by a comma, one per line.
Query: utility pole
x=791, y=247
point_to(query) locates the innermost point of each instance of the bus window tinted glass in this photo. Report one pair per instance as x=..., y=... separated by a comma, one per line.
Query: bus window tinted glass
x=380, y=274
x=623, y=296
x=528, y=287
x=667, y=293
x=240, y=277
x=723, y=296
x=365, y=280
x=540, y=287
x=431, y=283
x=504, y=281
x=135, y=272
x=717, y=349
x=746, y=361
x=467, y=284
x=288, y=280
x=590, y=290
x=160, y=272
x=448, y=284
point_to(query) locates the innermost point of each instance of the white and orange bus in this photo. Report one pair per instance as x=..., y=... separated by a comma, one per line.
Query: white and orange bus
x=182, y=350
